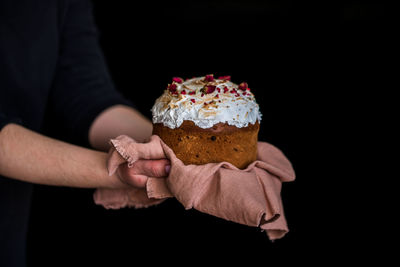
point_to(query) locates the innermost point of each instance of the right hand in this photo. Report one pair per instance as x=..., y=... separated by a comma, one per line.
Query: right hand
x=138, y=174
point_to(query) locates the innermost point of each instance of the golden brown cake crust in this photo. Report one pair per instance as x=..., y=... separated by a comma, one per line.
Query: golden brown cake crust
x=222, y=142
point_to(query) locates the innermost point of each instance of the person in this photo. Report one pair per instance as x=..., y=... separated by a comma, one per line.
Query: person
x=53, y=76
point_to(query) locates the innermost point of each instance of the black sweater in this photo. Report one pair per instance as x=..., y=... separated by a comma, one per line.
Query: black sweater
x=52, y=75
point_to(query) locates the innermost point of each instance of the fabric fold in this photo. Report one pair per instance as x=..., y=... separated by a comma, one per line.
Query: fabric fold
x=250, y=196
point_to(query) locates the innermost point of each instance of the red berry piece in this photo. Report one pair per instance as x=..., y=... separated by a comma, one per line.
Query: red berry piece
x=210, y=89
x=177, y=79
x=225, y=78
x=209, y=78
x=243, y=86
x=172, y=88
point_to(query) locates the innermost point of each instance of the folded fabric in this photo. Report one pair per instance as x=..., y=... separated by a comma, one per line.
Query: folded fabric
x=250, y=196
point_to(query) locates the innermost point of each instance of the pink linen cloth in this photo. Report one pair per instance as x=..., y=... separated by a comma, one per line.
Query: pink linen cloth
x=250, y=196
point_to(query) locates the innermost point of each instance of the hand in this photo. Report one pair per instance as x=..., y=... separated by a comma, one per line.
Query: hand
x=141, y=170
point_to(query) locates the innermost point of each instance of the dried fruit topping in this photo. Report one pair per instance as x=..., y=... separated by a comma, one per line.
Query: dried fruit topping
x=225, y=78
x=192, y=92
x=177, y=80
x=243, y=86
x=226, y=89
x=183, y=92
x=193, y=100
x=209, y=89
x=209, y=78
x=172, y=88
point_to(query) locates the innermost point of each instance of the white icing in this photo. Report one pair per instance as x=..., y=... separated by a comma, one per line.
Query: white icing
x=237, y=109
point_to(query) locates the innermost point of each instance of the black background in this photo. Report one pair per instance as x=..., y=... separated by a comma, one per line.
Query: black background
x=310, y=66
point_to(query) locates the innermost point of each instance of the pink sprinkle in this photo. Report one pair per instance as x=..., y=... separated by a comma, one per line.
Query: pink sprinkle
x=226, y=78
x=243, y=86
x=209, y=78
x=210, y=89
x=177, y=79
x=172, y=87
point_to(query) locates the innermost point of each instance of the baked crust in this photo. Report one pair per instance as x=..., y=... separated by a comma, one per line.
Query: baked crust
x=222, y=142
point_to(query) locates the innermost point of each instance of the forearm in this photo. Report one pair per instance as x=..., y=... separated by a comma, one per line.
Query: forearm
x=118, y=120
x=31, y=157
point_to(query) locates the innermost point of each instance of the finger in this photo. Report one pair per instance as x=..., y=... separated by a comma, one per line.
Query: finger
x=151, y=168
x=127, y=176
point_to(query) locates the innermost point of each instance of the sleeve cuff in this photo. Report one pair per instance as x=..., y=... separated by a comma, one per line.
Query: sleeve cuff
x=83, y=124
x=4, y=120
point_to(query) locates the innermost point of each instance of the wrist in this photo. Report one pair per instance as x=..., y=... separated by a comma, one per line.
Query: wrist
x=116, y=182
x=109, y=181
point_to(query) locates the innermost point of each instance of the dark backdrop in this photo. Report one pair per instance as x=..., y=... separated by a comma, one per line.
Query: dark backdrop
x=307, y=64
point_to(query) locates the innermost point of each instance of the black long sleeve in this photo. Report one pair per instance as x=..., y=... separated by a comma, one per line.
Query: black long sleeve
x=52, y=66
x=82, y=87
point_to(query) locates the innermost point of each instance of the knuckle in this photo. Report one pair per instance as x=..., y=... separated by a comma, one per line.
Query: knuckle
x=131, y=171
x=155, y=169
x=139, y=181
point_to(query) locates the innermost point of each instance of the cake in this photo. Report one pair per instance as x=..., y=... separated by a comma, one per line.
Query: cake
x=208, y=120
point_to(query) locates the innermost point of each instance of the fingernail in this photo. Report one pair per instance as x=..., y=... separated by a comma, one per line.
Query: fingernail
x=167, y=168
